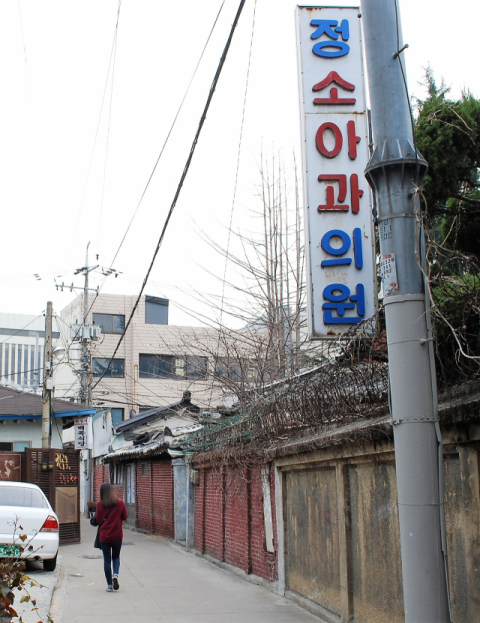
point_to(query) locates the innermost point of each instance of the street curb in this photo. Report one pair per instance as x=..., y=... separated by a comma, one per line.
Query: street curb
x=251, y=578
x=53, y=608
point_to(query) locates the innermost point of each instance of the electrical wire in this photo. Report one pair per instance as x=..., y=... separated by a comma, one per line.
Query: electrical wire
x=238, y=159
x=184, y=174
x=222, y=300
x=168, y=135
x=407, y=95
x=108, y=125
x=23, y=40
x=114, y=43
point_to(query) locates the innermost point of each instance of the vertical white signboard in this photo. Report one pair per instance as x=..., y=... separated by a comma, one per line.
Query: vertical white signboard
x=82, y=433
x=338, y=215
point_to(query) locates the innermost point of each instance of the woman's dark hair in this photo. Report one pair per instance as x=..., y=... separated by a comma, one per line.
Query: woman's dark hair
x=107, y=495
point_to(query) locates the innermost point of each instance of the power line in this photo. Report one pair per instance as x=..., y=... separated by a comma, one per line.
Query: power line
x=236, y=172
x=184, y=174
x=169, y=133
x=108, y=126
x=114, y=43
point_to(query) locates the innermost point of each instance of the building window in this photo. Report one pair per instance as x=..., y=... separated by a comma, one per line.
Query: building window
x=156, y=310
x=228, y=369
x=196, y=367
x=144, y=469
x=117, y=416
x=110, y=323
x=117, y=473
x=156, y=366
x=170, y=366
x=6, y=445
x=19, y=446
x=113, y=368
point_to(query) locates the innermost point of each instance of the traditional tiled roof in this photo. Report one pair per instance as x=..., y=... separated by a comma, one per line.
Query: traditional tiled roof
x=184, y=405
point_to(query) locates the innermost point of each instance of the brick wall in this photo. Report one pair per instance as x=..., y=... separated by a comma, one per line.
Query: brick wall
x=263, y=562
x=215, y=514
x=229, y=519
x=144, y=496
x=101, y=474
x=154, y=497
x=162, y=472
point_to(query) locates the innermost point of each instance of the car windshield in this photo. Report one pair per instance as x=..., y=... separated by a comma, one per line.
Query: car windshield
x=22, y=496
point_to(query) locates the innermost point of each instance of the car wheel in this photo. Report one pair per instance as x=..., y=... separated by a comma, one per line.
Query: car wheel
x=50, y=564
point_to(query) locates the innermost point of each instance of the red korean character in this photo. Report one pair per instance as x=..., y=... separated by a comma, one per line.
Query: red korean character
x=333, y=77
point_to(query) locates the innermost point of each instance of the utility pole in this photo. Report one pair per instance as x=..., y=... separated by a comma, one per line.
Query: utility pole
x=47, y=380
x=394, y=171
x=85, y=385
x=84, y=333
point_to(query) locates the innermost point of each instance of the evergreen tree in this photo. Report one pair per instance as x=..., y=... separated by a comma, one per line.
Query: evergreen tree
x=448, y=135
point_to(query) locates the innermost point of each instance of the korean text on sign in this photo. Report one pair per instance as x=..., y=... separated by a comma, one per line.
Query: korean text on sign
x=339, y=229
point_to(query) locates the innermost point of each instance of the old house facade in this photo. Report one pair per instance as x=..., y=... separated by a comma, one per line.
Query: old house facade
x=314, y=517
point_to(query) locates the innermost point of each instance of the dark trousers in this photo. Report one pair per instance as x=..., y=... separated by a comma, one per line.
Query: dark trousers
x=111, y=554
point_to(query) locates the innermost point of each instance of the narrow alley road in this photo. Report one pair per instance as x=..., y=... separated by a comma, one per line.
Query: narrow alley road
x=160, y=583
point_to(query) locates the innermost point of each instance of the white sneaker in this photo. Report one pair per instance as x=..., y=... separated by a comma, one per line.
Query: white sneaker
x=116, y=585
x=109, y=589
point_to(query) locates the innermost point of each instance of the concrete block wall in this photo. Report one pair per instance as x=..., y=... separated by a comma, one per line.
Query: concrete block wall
x=229, y=519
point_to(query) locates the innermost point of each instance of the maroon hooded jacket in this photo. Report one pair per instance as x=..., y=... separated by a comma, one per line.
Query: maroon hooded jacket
x=111, y=521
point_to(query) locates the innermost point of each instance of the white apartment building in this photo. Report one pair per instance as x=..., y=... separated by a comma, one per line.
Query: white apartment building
x=155, y=364
x=22, y=339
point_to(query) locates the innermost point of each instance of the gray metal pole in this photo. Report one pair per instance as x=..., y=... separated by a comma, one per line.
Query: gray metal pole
x=36, y=365
x=47, y=393
x=85, y=378
x=393, y=172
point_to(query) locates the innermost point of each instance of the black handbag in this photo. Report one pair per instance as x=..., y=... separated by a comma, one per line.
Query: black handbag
x=96, y=543
x=94, y=522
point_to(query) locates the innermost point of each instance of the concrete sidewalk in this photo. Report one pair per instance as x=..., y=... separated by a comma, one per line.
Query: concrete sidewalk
x=159, y=582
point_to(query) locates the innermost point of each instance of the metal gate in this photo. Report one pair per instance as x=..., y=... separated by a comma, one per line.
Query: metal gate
x=57, y=473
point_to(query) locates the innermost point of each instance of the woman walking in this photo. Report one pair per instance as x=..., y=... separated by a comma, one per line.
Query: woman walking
x=110, y=515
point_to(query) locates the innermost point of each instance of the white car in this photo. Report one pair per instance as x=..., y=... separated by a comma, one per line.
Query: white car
x=24, y=510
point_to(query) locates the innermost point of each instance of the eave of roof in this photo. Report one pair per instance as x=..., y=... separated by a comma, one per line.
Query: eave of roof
x=156, y=413
x=16, y=403
x=152, y=448
x=36, y=416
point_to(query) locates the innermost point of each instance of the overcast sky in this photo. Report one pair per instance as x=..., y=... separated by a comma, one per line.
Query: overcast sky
x=82, y=127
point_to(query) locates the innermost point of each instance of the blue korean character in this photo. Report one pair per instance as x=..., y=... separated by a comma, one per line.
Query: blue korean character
x=331, y=29
x=339, y=304
x=326, y=244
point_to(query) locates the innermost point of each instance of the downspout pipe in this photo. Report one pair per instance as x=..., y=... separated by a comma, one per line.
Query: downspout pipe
x=395, y=172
